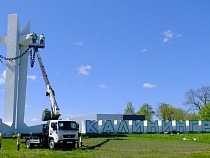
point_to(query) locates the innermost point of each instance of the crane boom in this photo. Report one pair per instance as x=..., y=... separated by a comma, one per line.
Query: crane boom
x=55, y=113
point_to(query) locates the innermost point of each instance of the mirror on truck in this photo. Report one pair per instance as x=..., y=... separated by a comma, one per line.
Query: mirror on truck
x=54, y=126
x=77, y=126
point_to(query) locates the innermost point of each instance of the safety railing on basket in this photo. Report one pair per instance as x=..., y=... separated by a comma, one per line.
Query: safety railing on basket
x=37, y=41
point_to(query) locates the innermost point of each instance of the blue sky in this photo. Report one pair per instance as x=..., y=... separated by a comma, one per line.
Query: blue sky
x=101, y=54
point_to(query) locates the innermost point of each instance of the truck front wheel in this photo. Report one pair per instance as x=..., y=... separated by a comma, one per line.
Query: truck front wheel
x=28, y=144
x=52, y=144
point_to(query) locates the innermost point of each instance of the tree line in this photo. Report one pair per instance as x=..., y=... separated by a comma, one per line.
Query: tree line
x=197, y=99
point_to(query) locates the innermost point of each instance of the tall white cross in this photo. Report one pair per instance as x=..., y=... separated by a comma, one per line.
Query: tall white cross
x=16, y=74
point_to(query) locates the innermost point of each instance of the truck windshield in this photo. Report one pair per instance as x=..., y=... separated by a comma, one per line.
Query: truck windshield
x=67, y=125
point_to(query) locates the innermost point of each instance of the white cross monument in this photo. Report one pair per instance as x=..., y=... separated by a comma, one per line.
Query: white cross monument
x=16, y=76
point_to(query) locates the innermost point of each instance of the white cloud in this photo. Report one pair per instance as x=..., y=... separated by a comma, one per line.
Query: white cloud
x=178, y=35
x=35, y=119
x=79, y=43
x=28, y=106
x=33, y=77
x=84, y=70
x=102, y=86
x=144, y=50
x=3, y=77
x=149, y=85
x=165, y=40
x=169, y=35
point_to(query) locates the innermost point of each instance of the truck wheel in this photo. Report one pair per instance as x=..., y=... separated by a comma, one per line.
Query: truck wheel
x=28, y=144
x=52, y=144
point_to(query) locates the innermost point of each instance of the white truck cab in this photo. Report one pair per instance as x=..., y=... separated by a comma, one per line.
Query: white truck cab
x=56, y=133
x=63, y=133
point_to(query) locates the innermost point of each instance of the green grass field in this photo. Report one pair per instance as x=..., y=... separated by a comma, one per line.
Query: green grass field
x=119, y=146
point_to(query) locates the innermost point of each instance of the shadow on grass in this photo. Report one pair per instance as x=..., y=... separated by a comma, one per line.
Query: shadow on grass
x=84, y=147
x=107, y=135
x=96, y=146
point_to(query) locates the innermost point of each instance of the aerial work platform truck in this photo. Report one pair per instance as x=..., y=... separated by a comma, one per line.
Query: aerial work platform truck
x=56, y=132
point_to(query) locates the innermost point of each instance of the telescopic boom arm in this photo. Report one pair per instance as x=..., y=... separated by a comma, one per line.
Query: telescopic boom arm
x=55, y=113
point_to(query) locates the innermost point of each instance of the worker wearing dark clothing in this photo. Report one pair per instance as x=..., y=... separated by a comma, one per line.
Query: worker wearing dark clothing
x=41, y=38
x=34, y=37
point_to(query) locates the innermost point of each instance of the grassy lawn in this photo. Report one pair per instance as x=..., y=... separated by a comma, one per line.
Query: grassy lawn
x=136, y=145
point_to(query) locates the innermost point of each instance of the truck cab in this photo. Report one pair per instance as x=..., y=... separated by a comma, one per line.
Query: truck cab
x=61, y=133
x=56, y=133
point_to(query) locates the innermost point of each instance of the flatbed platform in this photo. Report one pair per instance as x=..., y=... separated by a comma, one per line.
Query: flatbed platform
x=26, y=135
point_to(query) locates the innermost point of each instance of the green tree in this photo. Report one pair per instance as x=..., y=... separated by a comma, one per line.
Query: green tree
x=179, y=114
x=204, y=113
x=146, y=110
x=129, y=109
x=192, y=116
x=165, y=112
x=169, y=112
